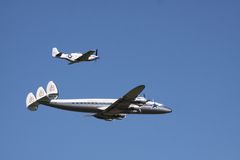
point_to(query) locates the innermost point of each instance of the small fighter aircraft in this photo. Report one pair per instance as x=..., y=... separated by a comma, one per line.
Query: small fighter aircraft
x=76, y=57
x=106, y=109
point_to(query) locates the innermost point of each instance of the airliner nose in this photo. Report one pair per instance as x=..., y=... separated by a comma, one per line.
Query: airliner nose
x=166, y=110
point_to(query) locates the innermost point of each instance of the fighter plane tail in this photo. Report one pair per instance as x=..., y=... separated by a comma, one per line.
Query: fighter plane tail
x=56, y=53
x=52, y=91
x=31, y=102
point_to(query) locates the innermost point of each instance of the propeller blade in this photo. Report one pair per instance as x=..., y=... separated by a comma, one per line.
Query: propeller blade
x=139, y=110
x=96, y=52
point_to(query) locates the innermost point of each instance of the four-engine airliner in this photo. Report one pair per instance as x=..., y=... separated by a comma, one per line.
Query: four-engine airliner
x=106, y=109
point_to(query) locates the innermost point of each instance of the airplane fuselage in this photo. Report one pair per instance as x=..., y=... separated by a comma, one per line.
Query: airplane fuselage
x=72, y=57
x=98, y=105
x=106, y=109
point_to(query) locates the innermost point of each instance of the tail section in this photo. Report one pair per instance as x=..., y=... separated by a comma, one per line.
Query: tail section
x=56, y=53
x=31, y=102
x=42, y=97
x=52, y=91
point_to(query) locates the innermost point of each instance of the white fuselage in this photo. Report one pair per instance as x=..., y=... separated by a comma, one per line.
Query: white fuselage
x=73, y=56
x=98, y=105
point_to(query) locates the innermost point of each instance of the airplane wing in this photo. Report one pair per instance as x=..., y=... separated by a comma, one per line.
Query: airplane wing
x=123, y=102
x=85, y=56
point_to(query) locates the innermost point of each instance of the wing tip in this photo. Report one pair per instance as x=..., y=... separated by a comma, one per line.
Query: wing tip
x=142, y=86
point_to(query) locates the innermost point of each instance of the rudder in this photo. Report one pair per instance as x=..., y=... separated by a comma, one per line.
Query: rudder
x=31, y=102
x=41, y=95
x=52, y=91
x=56, y=53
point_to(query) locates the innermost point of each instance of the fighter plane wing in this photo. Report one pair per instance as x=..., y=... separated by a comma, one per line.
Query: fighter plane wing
x=85, y=56
x=123, y=102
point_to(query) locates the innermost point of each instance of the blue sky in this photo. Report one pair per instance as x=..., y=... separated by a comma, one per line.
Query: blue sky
x=185, y=52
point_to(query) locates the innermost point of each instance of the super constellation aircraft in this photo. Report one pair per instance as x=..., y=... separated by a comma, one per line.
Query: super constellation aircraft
x=106, y=109
x=76, y=57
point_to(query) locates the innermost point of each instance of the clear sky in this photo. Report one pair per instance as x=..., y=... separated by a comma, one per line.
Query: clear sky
x=185, y=52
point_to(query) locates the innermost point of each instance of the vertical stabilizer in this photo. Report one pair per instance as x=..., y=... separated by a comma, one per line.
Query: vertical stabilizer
x=52, y=91
x=31, y=102
x=41, y=95
x=56, y=53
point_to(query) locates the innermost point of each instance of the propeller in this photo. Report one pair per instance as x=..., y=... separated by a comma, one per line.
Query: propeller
x=144, y=95
x=140, y=110
x=96, y=52
x=154, y=105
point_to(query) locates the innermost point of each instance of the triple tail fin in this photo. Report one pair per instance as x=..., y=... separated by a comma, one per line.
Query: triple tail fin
x=42, y=96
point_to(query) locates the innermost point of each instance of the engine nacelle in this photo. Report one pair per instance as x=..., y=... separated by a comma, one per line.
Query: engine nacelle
x=135, y=108
x=120, y=116
x=140, y=100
